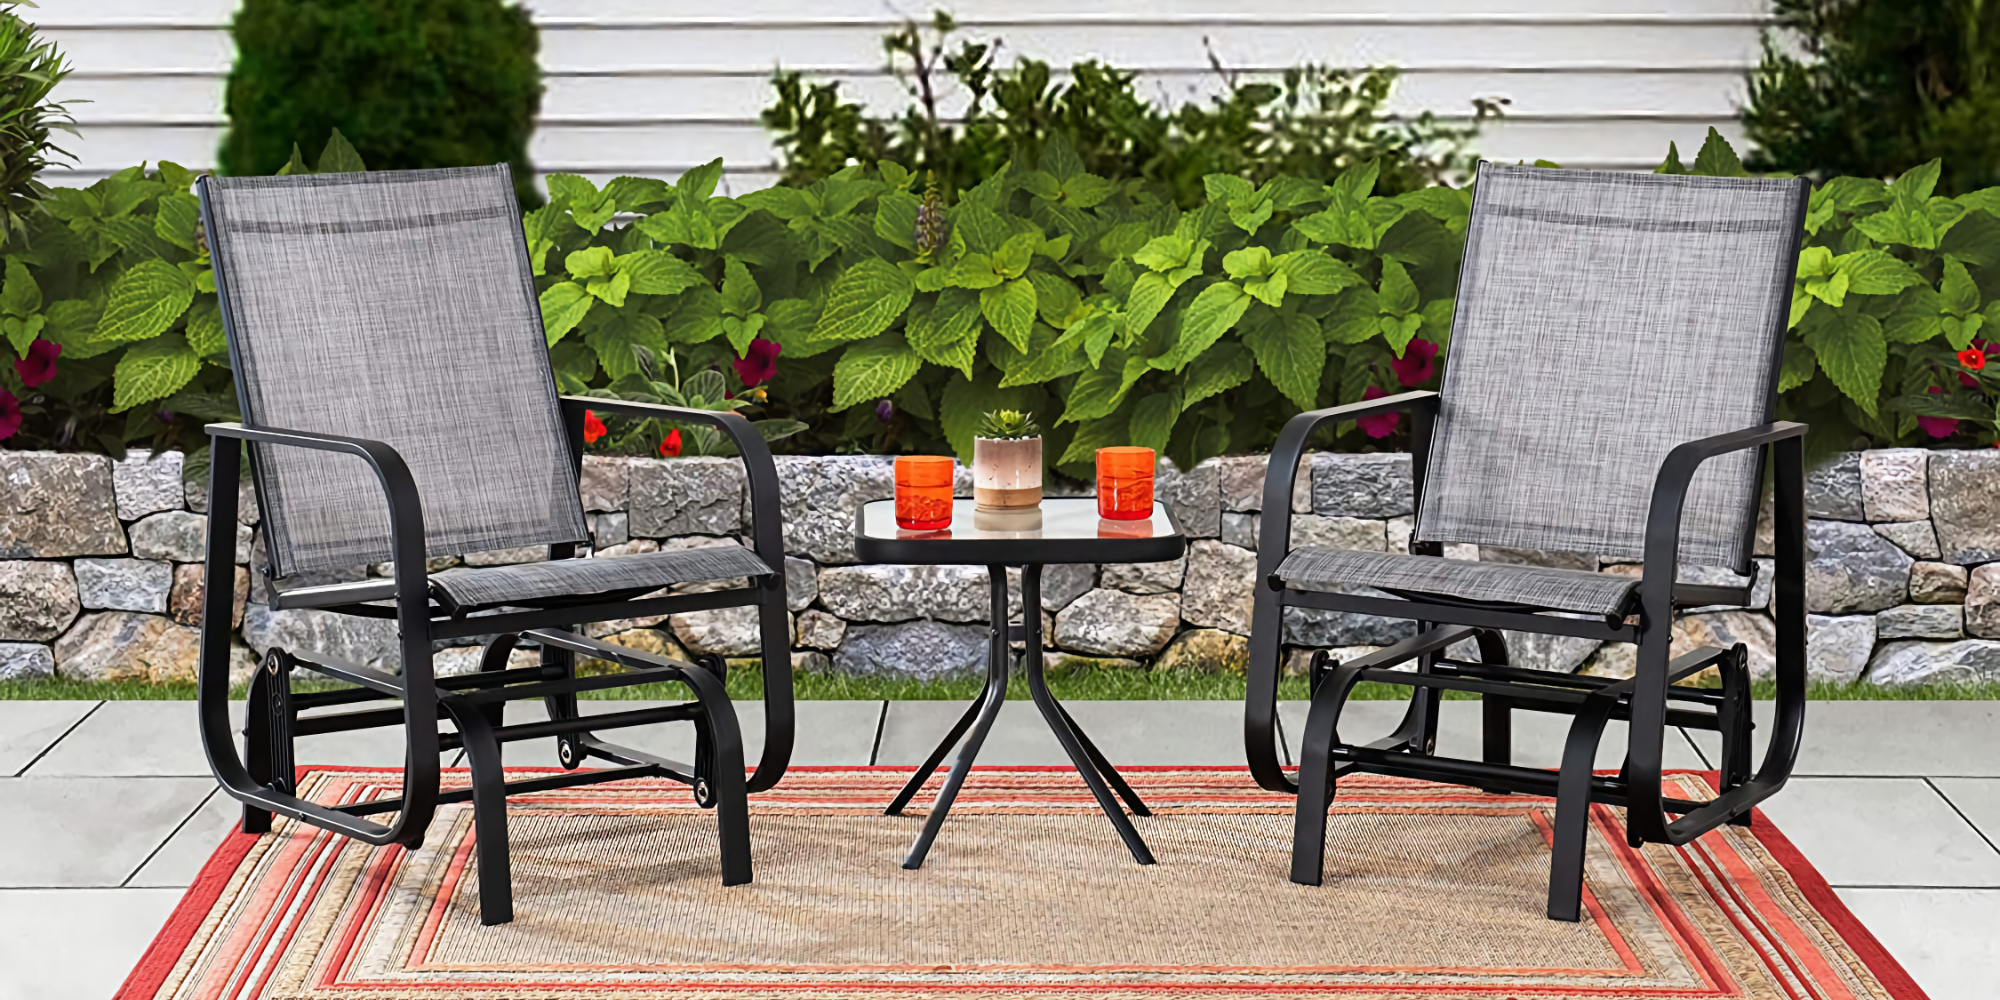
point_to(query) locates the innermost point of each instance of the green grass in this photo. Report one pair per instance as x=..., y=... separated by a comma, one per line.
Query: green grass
x=1085, y=683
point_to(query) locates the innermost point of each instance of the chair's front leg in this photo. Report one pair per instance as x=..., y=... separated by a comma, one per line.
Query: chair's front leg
x=729, y=789
x=1572, y=833
x=1316, y=785
x=489, y=810
x=257, y=744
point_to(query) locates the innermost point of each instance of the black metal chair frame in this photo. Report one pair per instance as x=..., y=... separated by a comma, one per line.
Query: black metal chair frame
x=1649, y=701
x=276, y=715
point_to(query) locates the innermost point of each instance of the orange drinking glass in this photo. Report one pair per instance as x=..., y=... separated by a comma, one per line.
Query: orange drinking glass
x=1125, y=483
x=923, y=492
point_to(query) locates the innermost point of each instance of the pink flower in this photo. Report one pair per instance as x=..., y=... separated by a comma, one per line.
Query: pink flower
x=1381, y=425
x=40, y=364
x=1938, y=427
x=759, y=363
x=10, y=414
x=1417, y=362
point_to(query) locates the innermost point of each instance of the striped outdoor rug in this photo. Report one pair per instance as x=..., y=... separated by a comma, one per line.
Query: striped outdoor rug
x=1433, y=892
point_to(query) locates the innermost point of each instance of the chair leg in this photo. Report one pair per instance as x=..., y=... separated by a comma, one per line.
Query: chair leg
x=1735, y=723
x=489, y=811
x=719, y=744
x=1496, y=712
x=257, y=743
x=1572, y=833
x=1316, y=784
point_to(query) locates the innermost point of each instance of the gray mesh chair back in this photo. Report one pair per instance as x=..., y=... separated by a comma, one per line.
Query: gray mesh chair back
x=396, y=306
x=1602, y=319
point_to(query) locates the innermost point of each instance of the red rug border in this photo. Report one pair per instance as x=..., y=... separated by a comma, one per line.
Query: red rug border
x=174, y=937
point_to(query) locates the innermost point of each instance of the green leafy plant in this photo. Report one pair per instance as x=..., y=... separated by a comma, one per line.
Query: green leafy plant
x=1008, y=425
x=30, y=67
x=968, y=118
x=878, y=319
x=1872, y=88
x=412, y=83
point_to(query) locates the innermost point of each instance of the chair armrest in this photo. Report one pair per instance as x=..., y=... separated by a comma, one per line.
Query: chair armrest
x=766, y=524
x=1275, y=528
x=1670, y=486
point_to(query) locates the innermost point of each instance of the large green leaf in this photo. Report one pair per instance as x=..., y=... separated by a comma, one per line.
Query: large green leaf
x=872, y=371
x=740, y=294
x=1056, y=298
x=1098, y=391
x=1313, y=272
x=1957, y=294
x=205, y=336
x=864, y=300
x=145, y=301
x=1873, y=272
x=1205, y=320
x=1223, y=368
x=1851, y=350
x=657, y=272
x=1915, y=318
x=153, y=370
x=19, y=295
x=896, y=218
x=564, y=305
x=176, y=221
x=1798, y=368
x=1010, y=307
x=697, y=318
x=1355, y=316
x=1717, y=159
x=1153, y=417
x=1292, y=352
x=1046, y=362
x=615, y=341
x=948, y=332
x=1104, y=432
x=1398, y=294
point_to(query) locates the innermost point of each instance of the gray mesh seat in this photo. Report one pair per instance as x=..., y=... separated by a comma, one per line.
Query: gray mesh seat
x=1327, y=569
x=525, y=583
x=1610, y=389
x=398, y=404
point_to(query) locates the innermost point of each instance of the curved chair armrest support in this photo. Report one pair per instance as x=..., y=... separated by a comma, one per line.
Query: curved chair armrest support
x=406, y=545
x=1662, y=555
x=1273, y=544
x=767, y=538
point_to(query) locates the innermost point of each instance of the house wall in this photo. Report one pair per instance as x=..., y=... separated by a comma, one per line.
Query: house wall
x=654, y=86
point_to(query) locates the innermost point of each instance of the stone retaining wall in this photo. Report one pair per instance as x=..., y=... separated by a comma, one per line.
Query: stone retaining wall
x=99, y=574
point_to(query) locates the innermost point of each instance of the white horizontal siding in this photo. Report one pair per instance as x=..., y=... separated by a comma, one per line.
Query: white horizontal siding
x=654, y=86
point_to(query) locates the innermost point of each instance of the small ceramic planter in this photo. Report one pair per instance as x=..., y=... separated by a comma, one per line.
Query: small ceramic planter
x=1007, y=483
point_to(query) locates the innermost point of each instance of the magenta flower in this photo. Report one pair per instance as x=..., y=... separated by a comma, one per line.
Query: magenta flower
x=40, y=364
x=1938, y=427
x=1381, y=425
x=759, y=363
x=10, y=415
x=1417, y=362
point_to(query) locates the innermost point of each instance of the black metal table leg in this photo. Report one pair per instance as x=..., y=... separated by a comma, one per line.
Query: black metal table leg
x=1090, y=764
x=944, y=746
x=988, y=709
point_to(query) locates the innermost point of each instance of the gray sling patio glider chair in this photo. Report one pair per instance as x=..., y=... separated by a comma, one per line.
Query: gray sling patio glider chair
x=398, y=403
x=1614, y=367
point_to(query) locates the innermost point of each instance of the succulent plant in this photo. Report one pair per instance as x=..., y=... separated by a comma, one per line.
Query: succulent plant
x=1008, y=425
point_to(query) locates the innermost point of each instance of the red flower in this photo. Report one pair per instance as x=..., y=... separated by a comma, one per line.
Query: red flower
x=759, y=363
x=593, y=428
x=671, y=447
x=1417, y=362
x=1972, y=358
x=1938, y=427
x=10, y=415
x=40, y=364
x=1381, y=425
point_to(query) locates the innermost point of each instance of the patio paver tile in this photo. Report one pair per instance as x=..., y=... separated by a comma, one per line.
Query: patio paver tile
x=1128, y=732
x=129, y=738
x=1945, y=938
x=78, y=831
x=1938, y=738
x=1538, y=736
x=29, y=727
x=1883, y=832
x=75, y=944
x=181, y=858
x=1978, y=799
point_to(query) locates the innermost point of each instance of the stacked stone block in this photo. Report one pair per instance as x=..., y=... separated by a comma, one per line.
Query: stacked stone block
x=100, y=572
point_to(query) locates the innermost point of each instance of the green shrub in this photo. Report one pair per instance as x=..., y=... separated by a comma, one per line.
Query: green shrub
x=1312, y=123
x=1884, y=86
x=857, y=315
x=29, y=69
x=412, y=83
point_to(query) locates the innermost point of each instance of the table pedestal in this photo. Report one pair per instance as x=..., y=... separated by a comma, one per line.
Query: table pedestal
x=978, y=718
